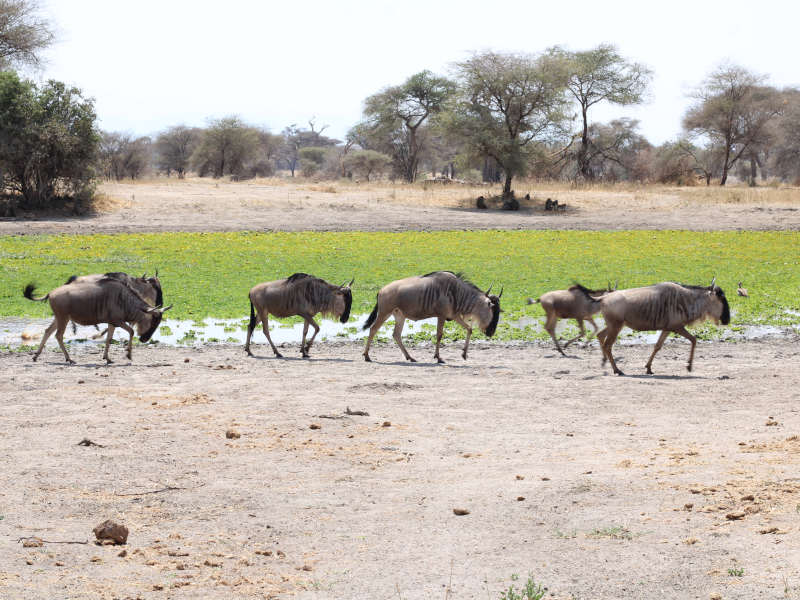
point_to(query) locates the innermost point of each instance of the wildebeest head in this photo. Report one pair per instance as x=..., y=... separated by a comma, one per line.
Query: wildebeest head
x=155, y=283
x=489, y=312
x=147, y=325
x=343, y=301
x=718, y=308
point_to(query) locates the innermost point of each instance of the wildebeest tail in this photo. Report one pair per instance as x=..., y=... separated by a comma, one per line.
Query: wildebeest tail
x=71, y=279
x=371, y=318
x=28, y=293
x=252, y=316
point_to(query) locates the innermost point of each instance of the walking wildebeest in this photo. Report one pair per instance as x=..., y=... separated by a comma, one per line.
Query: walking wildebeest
x=442, y=294
x=577, y=303
x=107, y=300
x=667, y=306
x=149, y=288
x=302, y=295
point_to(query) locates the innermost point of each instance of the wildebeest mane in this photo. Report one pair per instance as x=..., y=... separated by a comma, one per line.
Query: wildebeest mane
x=122, y=279
x=319, y=294
x=586, y=291
x=298, y=277
x=71, y=279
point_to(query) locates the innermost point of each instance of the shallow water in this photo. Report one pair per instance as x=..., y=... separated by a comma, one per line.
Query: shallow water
x=16, y=331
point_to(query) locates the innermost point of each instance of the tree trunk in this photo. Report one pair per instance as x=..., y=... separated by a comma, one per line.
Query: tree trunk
x=507, y=186
x=411, y=166
x=583, y=151
x=708, y=179
x=753, y=172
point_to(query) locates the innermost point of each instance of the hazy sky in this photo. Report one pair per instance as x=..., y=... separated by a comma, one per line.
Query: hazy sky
x=150, y=64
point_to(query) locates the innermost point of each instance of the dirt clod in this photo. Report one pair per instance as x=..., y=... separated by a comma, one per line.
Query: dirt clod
x=386, y=424
x=735, y=516
x=315, y=426
x=460, y=512
x=232, y=434
x=33, y=542
x=110, y=530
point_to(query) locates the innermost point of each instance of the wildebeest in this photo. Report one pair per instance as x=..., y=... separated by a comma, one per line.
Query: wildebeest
x=149, y=288
x=667, y=306
x=442, y=294
x=108, y=300
x=298, y=295
x=577, y=303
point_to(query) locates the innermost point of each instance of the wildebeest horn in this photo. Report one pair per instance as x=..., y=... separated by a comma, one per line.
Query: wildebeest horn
x=156, y=275
x=500, y=295
x=163, y=310
x=490, y=288
x=349, y=284
x=712, y=281
x=144, y=275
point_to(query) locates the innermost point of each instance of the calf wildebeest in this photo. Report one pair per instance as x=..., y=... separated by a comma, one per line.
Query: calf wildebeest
x=107, y=300
x=577, y=303
x=442, y=294
x=667, y=306
x=149, y=288
x=298, y=295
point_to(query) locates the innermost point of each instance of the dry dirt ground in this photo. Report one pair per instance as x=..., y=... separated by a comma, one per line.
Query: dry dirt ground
x=206, y=205
x=668, y=486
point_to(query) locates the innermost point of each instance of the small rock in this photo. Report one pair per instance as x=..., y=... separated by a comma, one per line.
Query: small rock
x=210, y=563
x=315, y=426
x=264, y=552
x=81, y=381
x=306, y=568
x=29, y=562
x=386, y=424
x=545, y=479
x=688, y=506
x=123, y=554
x=185, y=360
x=96, y=559
x=771, y=422
x=694, y=491
x=520, y=477
x=520, y=498
x=768, y=530
x=715, y=597
x=748, y=498
x=281, y=554
x=232, y=435
x=59, y=563
x=109, y=530
x=460, y=512
x=690, y=541
x=157, y=586
x=735, y=516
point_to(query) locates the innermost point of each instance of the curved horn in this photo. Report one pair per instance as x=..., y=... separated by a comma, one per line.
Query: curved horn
x=351, y=282
x=163, y=310
x=490, y=288
x=156, y=275
x=712, y=281
x=500, y=295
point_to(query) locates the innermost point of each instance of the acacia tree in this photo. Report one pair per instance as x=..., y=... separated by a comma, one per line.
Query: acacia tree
x=367, y=162
x=595, y=76
x=174, y=148
x=732, y=110
x=226, y=146
x=508, y=104
x=396, y=114
x=23, y=33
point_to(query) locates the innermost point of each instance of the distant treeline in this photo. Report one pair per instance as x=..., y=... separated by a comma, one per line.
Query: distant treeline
x=495, y=117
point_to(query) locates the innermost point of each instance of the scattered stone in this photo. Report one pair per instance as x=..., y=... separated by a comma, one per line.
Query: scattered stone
x=694, y=491
x=460, y=512
x=157, y=586
x=96, y=559
x=771, y=422
x=81, y=381
x=768, y=530
x=735, y=516
x=520, y=498
x=386, y=424
x=264, y=552
x=280, y=554
x=587, y=472
x=109, y=530
x=59, y=563
x=748, y=498
x=185, y=360
x=545, y=479
x=520, y=477
x=690, y=541
x=33, y=542
x=715, y=597
x=688, y=506
x=315, y=426
x=232, y=435
x=305, y=568
x=210, y=563
x=123, y=554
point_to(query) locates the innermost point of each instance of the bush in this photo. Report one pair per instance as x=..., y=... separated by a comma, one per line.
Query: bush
x=48, y=142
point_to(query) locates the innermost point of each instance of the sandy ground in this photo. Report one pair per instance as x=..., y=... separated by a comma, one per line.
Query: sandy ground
x=599, y=486
x=206, y=205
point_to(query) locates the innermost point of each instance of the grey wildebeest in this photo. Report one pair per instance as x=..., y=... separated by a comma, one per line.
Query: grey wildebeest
x=298, y=295
x=577, y=303
x=442, y=294
x=108, y=300
x=667, y=306
x=149, y=288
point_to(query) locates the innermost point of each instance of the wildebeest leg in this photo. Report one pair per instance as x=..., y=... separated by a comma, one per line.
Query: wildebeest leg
x=466, y=326
x=303, y=341
x=129, y=329
x=250, y=328
x=47, y=333
x=97, y=336
x=659, y=343
x=265, y=327
x=313, y=337
x=439, y=331
x=579, y=336
x=609, y=335
x=682, y=331
x=60, y=338
x=380, y=320
x=399, y=321
x=109, y=335
x=550, y=326
x=589, y=336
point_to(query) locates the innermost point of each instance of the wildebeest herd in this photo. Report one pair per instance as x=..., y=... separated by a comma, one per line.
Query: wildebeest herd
x=119, y=300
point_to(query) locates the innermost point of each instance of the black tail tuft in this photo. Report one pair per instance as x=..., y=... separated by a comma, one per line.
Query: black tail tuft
x=29, y=289
x=371, y=318
x=252, y=317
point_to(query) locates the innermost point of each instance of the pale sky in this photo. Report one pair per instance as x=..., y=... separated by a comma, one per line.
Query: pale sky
x=150, y=64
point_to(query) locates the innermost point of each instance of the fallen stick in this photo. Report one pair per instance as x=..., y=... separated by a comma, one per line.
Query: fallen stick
x=357, y=413
x=169, y=488
x=88, y=442
x=330, y=416
x=22, y=539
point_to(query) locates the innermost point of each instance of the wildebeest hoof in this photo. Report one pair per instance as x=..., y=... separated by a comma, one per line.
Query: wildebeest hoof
x=618, y=372
x=367, y=358
x=278, y=355
x=439, y=360
x=35, y=358
x=689, y=368
x=70, y=361
x=411, y=359
x=109, y=361
x=464, y=355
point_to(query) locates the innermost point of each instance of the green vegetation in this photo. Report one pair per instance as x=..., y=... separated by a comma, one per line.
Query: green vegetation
x=531, y=591
x=736, y=572
x=209, y=274
x=617, y=532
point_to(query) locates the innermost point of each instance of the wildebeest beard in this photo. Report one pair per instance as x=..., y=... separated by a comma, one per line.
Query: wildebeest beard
x=726, y=311
x=145, y=337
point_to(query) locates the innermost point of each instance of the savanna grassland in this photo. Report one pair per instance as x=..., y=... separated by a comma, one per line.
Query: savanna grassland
x=253, y=478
